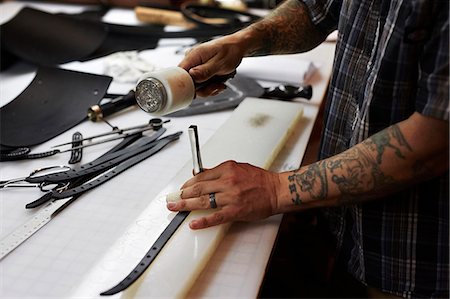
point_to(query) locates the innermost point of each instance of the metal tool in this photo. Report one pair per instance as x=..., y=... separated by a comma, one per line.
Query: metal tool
x=195, y=148
x=154, y=124
x=169, y=90
x=120, y=136
x=31, y=226
x=156, y=247
x=24, y=153
x=22, y=181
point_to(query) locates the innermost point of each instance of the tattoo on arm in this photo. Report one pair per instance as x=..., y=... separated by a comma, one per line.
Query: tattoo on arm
x=313, y=181
x=381, y=141
x=287, y=30
x=355, y=172
x=293, y=190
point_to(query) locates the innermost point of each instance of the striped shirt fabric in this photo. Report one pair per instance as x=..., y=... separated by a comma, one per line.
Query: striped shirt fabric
x=391, y=60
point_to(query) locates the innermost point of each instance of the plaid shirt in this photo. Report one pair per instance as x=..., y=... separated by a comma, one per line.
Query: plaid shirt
x=391, y=60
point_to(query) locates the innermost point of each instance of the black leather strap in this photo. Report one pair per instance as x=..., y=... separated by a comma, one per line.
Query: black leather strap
x=123, y=144
x=160, y=144
x=79, y=181
x=119, y=169
x=103, y=163
x=197, y=13
x=150, y=256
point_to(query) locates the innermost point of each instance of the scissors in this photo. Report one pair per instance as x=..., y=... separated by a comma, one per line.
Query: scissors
x=23, y=181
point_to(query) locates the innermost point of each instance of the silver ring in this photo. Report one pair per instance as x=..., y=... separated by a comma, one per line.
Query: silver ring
x=212, y=200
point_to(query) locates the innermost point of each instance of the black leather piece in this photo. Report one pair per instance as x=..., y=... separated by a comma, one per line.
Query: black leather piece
x=149, y=256
x=124, y=41
x=103, y=163
x=79, y=181
x=197, y=13
x=55, y=101
x=119, y=169
x=105, y=174
x=49, y=39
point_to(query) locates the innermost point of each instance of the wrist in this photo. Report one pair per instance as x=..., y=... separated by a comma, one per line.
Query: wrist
x=289, y=196
x=276, y=193
x=283, y=201
x=248, y=41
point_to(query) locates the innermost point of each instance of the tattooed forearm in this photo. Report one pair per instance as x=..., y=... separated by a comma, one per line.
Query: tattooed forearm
x=356, y=173
x=360, y=174
x=387, y=138
x=313, y=181
x=293, y=190
x=287, y=30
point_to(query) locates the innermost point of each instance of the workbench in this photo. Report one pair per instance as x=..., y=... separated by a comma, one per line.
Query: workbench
x=57, y=259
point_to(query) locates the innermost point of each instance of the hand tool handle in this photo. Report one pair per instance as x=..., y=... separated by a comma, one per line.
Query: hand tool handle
x=98, y=112
x=215, y=79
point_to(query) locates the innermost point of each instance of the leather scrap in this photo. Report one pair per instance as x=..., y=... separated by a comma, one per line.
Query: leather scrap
x=55, y=101
x=50, y=39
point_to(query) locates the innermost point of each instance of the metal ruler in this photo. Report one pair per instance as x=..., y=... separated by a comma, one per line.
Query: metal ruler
x=26, y=230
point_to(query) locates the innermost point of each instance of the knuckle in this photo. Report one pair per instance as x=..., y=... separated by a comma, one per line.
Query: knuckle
x=234, y=179
x=218, y=218
x=197, y=190
x=230, y=165
x=204, y=222
x=208, y=72
x=236, y=194
x=229, y=182
x=204, y=201
x=181, y=205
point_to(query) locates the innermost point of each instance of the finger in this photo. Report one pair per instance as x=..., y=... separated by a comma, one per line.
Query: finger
x=188, y=50
x=205, y=175
x=203, y=169
x=210, y=89
x=202, y=188
x=216, y=218
x=193, y=57
x=174, y=196
x=191, y=204
x=202, y=72
x=210, y=67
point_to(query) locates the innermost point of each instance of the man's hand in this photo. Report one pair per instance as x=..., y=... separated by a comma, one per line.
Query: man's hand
x=214, y=58
x=242, y=191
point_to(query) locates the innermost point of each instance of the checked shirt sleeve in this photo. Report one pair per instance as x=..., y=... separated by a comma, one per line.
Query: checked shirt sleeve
x=433, y=84
x=324, y=13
